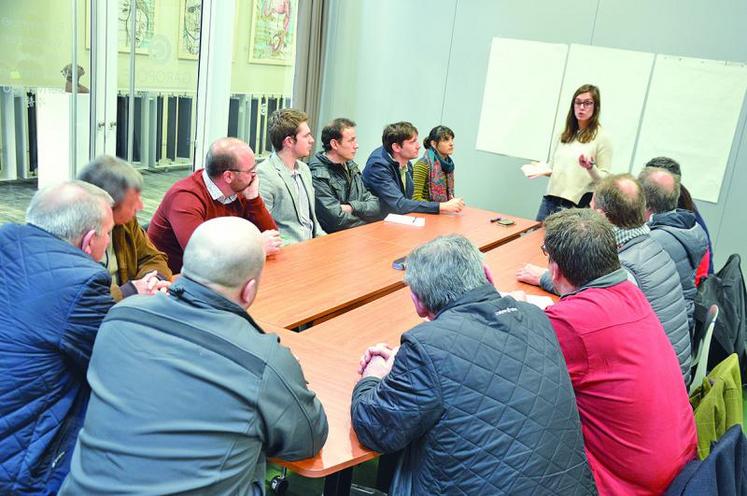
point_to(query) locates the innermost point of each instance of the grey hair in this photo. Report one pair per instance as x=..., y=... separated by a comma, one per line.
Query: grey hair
x=113, y=175
x=70, y=209
x=581, y=242
x=443, y=270
x=226, y=251
x=660, y=197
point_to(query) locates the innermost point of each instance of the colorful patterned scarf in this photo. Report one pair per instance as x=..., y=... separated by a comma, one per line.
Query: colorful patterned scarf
x=441, y=183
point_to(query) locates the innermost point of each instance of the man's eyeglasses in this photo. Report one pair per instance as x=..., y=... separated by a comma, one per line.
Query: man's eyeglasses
x=253, y=171
x=584, y=103
x=544, y=250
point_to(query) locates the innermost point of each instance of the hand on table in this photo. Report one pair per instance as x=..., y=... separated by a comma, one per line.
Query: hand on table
x=453, y=206
x=377, y=361
x=272, y=242
x=530, y=274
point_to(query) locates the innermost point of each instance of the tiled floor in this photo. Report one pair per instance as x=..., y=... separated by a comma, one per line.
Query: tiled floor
x=15, y=196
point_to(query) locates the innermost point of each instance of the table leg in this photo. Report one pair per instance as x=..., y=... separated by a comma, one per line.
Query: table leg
x=338, y=484
x=385, y=472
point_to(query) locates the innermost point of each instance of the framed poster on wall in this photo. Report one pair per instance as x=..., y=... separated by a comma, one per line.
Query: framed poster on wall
x=273, y=34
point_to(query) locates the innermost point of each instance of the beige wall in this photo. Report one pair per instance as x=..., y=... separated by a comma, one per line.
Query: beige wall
x=35, y=40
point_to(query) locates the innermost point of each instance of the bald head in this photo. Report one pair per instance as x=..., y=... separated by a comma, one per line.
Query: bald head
x=661, y=189
x=71, y=209
x=621, y=200
x=226, y=252
x=226, y=154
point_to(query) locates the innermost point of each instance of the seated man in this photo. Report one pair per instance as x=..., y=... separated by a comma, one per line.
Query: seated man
x=286, y=181
x=639, y=428
x=676, y=229
x=479, y=397
x=388, y=174
x=342, y=201
x=228, y=186
x=136, y=266
x=620, y=199
x=686, y=202
x=226, y=395
x=53, y=297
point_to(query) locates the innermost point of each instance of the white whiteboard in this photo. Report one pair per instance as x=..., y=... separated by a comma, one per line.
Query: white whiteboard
x=691, y=116
x=622, y=78
x=521, y=94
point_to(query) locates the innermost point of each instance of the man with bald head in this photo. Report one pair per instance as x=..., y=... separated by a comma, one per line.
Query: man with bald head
x=676, y=229
x=189, y=395
x=620, y=199
x=228, y=186
x=53, y=297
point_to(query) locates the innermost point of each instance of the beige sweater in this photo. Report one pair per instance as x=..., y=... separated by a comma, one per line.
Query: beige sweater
x=569, y=180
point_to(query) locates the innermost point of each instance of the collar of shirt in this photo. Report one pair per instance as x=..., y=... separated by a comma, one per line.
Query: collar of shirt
x=215, y=192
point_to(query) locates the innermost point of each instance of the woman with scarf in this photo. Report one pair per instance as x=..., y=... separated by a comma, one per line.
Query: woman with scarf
x=433, y=173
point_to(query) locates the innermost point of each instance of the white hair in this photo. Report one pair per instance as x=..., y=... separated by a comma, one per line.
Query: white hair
x=70, y=209
x=443, y=270
x=227, y=251
x=113, y=175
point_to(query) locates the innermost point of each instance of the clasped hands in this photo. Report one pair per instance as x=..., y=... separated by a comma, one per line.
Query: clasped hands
x=151, y=284
x=377, y=361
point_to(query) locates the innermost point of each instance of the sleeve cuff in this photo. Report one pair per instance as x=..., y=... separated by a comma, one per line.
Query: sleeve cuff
x=128, y=289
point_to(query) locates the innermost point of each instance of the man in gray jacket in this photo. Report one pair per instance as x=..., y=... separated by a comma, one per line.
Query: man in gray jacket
x=189, y=395
x=676, y=229
x=342, y=201
x=620, y=198
x=285, y=182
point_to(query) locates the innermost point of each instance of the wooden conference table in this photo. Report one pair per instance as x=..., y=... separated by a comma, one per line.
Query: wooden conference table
x=329, y=354
x=310, y=282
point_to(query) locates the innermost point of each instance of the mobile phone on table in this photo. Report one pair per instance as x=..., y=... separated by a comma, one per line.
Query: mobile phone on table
x=400, y=263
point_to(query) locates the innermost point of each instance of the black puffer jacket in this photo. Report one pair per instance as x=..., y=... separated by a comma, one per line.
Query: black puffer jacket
x=481, y=399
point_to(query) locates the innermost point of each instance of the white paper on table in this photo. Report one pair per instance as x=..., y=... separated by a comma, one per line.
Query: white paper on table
x=406, y=220
x=534, y=169
x=540, y=301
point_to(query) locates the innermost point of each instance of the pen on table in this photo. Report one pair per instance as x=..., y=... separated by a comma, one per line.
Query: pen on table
x=496, y=219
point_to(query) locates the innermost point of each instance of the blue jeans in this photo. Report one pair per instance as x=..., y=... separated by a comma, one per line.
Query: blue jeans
x=551, y=204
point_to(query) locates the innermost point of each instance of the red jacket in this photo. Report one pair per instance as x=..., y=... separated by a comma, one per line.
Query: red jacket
x=186, y=205
x=639, y=429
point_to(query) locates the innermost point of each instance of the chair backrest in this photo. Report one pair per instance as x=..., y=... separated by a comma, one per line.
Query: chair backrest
x=701, y=359
x=723, y=472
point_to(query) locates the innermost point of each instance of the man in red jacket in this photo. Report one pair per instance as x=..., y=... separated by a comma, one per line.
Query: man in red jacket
x=228, y=186
x=639, y=429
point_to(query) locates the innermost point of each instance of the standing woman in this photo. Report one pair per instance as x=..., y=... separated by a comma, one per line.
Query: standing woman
x=581, y=157
x=433, y=173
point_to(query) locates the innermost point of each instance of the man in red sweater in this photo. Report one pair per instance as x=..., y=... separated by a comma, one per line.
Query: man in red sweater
x=638, y=426
x=227, y=186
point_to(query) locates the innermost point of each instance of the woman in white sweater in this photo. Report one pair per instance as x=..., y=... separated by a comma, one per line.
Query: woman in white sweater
x=581, y=156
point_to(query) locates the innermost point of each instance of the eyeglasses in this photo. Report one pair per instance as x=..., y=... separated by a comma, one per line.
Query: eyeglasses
x=583, y=103
x=253, y=171
x=544, y=250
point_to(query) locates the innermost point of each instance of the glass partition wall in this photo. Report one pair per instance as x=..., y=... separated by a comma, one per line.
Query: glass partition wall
x=81, y=78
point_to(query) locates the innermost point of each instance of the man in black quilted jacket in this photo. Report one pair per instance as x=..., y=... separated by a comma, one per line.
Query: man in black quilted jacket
x=478, y=398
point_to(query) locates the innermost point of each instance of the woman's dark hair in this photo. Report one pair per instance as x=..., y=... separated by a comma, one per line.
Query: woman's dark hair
x=437, y=134
x=571, y=123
